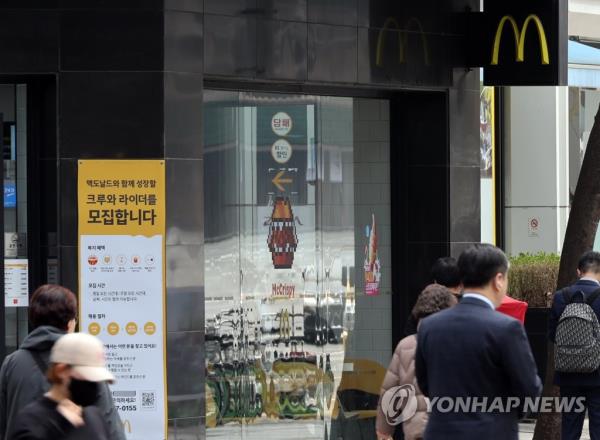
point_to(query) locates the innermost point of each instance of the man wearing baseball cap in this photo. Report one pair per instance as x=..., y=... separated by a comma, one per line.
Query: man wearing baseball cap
x=77, y=368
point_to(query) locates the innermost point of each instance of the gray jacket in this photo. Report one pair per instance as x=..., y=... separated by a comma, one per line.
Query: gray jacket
x=22, y=382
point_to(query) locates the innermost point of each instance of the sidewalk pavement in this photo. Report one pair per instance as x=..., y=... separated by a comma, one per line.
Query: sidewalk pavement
x=526, y=431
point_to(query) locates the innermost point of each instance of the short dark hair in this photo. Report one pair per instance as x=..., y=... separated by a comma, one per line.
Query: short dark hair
x=445, y=272
x=52, y=305
x=432, y=299
x=479, y=263
x=589, y=262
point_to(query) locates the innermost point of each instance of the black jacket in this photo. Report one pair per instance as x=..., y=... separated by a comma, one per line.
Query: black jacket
x=41, y=421
x=410, y=328
x=471, y=350
x=22, y=382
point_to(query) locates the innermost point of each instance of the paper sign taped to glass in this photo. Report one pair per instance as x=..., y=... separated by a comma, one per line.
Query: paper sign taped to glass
x=372, y=264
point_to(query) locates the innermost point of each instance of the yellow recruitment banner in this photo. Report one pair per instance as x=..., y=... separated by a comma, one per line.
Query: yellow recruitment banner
x=121, y=197
x=121, y=207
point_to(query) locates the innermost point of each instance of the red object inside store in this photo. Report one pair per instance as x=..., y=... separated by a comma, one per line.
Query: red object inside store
x=513, y=307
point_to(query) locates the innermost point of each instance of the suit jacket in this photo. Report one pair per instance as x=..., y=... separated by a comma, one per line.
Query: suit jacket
x=558, y=306
x=471, y=350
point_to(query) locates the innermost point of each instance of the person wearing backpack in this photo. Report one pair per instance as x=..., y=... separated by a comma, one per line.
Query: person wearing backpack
x=574, y=329
x=52, y=314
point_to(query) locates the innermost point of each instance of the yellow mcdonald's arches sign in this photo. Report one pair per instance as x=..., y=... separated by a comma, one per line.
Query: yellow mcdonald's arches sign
x=520, y=36
x=127, y=426
x=402, y=40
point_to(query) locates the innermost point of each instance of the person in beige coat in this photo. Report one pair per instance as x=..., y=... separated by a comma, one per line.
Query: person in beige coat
x=401, y=371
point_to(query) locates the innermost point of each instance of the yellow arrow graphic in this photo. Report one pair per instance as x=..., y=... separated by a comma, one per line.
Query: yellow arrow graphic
x=278, y=180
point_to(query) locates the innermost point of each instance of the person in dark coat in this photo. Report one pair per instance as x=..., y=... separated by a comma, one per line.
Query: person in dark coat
x=579, y=384
x=52, y=314
x=473, y=351
x=66, y=411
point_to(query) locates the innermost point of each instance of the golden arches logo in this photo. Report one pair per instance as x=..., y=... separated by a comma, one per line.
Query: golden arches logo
x=402, y=40
x=520, y=38
x=127, y=426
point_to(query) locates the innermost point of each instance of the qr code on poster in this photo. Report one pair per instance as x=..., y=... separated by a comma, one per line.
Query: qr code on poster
x=148, y=399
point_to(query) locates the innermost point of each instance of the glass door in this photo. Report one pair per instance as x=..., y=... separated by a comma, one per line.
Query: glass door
x=13, y=120
x=281, y=276
x=282, y=252
x=224, y=322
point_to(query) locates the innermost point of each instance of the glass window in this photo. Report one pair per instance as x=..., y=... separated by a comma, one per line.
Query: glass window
x=297, y=262
x=13, y=117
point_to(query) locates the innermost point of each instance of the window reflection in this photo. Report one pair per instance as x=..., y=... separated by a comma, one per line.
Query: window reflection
x=13, y=117
x=298, y=263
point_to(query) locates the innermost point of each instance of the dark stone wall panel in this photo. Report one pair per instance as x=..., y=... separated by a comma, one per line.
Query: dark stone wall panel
x=466, y=79
x=29, y=41
x=427, y=204
x=47, y=213
x=282, y=50
x=464, y=128
x=338, y=12
x=389, y=56
x=293, y=10
x=423, y=129
x=419, y=258
x=332, y=52
x=229, y=7
x=183, y=42
x=111, y=40
x=185, y=5
x=111, y=115
x=29, y=4
x=183, y=115
x=230, y=46
x=185, y=202
x=68, y=215
x=111, y=4
x=465, y=204
x=68, y=257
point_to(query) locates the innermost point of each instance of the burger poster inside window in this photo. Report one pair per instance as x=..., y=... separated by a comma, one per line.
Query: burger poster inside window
x=372, y=266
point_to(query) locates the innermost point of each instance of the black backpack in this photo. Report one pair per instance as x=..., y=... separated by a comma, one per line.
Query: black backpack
x=577, y=335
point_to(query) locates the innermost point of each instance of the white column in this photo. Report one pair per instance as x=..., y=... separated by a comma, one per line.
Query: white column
x=537, y=168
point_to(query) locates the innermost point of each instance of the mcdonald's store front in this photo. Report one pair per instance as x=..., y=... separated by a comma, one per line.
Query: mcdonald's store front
x=294, y=168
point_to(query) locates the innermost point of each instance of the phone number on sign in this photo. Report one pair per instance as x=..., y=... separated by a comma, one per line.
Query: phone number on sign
x=126, y=408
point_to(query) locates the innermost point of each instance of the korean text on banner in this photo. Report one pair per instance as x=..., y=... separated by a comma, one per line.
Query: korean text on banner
x=121, y=283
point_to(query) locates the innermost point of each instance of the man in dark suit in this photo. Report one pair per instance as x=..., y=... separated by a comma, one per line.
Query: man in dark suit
x=473, y=351
x=585, y=385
